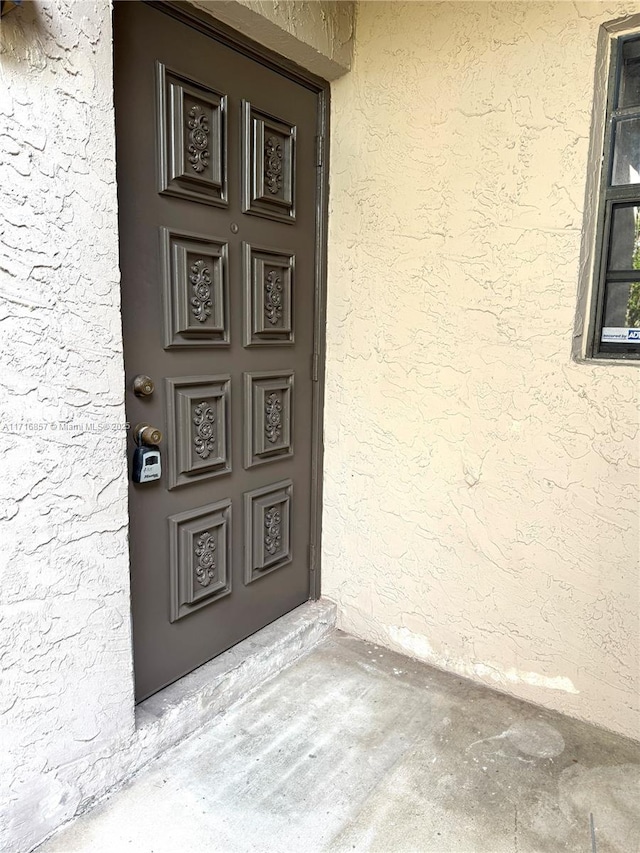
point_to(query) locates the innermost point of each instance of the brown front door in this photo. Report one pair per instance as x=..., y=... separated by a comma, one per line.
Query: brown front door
x=216, y=166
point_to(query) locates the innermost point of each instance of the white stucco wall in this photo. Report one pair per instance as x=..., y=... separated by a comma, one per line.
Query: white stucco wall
x=65, y=628
x=482, y=490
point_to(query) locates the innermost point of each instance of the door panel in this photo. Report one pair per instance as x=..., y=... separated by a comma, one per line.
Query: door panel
x=217, y=196
x=194, y=276
x=192, y=132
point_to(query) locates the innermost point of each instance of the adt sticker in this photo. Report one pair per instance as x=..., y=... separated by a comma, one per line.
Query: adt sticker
x=620, y=335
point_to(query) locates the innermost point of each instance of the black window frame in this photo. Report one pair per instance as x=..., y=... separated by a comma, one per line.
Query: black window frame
x=610, y=195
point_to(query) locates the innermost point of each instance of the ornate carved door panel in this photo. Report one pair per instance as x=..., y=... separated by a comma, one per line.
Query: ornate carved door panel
x=217, y=178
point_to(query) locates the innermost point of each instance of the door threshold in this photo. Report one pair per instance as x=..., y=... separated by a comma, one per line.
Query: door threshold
x=183, y=707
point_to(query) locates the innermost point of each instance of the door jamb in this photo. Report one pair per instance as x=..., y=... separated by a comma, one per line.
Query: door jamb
x=201, y=21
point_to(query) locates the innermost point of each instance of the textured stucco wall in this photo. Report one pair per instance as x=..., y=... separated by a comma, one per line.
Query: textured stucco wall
x=65, y=635
x=317, y=35
x=482, y=490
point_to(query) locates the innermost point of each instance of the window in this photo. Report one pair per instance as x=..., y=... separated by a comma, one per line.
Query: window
x=616, y=330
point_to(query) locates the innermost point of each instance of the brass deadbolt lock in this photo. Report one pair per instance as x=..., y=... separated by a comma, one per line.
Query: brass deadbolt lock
x=143, y=386
x=146, y=434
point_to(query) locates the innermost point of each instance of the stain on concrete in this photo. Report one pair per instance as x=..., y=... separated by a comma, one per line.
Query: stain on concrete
x=537, y=738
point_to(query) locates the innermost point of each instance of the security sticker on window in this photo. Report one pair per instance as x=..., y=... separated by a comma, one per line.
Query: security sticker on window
x=619, y=335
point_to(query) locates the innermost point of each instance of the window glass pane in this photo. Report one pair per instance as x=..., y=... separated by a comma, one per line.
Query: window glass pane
x=621, y=317
x=630, y=76
x=624, y=239
x=626, y=152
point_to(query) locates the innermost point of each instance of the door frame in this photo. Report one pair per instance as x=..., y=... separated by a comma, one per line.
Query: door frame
x=201, y=21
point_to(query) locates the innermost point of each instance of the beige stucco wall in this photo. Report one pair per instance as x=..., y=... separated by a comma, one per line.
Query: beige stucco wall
x=482, y=490
x=317, y=35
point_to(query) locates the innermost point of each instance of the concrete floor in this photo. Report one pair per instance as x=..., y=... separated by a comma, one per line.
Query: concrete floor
x=357, y=748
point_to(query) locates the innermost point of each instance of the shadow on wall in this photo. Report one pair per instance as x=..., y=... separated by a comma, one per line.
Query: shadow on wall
x=23, y=32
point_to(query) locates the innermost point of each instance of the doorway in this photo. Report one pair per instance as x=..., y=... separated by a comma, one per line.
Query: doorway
x=221, y=206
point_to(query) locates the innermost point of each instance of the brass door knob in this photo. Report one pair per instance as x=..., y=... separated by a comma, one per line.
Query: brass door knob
x=147, y=434
x=143, y=386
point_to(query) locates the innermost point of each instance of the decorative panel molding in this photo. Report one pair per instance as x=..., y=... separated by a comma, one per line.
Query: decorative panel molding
x=268, y=295
x=267, y=529
x=269, y=163
x=199, y=557
x=195, y=290
x=191, y=139
x=268, y=417
x=199, y=430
